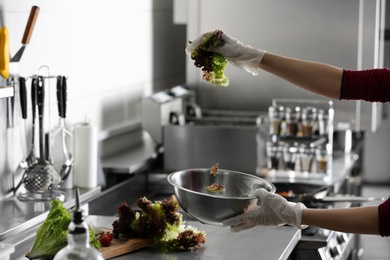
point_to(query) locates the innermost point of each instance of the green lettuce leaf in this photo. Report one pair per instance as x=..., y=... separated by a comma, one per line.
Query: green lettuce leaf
x=212, y=63
x=52, y=234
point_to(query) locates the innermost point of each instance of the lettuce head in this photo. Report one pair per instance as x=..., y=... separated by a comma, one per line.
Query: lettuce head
x=51, y=236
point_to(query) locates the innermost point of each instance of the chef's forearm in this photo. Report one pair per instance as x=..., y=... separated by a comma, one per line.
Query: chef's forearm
x=316, y=77
x=363, y=220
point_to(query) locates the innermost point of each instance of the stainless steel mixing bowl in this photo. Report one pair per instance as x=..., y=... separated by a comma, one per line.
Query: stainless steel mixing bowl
x=214, y=207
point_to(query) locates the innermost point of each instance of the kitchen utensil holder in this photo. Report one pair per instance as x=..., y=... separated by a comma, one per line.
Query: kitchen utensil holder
x=46, y=195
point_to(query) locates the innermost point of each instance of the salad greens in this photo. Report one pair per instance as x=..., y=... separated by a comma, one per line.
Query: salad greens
x=212, y=63
x=159, y=221
x=52, y=234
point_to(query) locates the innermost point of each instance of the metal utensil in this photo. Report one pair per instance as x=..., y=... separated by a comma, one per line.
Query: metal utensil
x=27, y=33
x=41, y=176
x=31, y=157
x=214, y=207
x=62, y=158
x=20, y=170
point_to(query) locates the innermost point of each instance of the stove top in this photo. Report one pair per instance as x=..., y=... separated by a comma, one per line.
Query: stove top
x=319, y=243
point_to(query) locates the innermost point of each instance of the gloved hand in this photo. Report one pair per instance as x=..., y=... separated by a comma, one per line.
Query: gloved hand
x=243, y=56
x=274, y=210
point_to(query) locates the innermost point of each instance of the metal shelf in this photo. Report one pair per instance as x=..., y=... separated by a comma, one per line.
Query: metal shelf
x=6, y=91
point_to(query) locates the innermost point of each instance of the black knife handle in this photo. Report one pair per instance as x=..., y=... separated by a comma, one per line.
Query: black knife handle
x=41, y=95
x=34, y=86
x=64, y=95
x=59, y=96
x=23, y=96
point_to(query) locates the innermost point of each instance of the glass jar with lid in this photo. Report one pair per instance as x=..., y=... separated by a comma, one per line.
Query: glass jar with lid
x=306, y=158
x=275, y=115
x=309, y=117
x=290, y=155
x=323, y=119
x=292, y=119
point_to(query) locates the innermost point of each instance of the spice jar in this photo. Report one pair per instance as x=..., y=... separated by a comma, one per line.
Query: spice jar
x=290, y=154
x=309, y=116
x=292, y=118
x=323, y=119
x=273, y=155
x=276, y=115
x=306, y=157
x=322, y=159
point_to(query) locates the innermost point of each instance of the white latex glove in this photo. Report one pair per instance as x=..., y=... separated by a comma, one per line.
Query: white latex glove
x=274, y=210
x=243, y=56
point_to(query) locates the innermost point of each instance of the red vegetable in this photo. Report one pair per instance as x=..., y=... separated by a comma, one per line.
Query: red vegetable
x=106, y=239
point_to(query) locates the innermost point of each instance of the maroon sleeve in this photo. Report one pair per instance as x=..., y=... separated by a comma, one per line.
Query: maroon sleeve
x=371, y=85
x=384, y=218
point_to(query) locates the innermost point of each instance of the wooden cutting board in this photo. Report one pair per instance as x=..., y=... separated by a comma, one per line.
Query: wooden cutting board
x=120, y=246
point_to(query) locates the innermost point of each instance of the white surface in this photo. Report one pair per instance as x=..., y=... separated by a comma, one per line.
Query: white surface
x=85, y=155
x=5, y=251
x=6, y=91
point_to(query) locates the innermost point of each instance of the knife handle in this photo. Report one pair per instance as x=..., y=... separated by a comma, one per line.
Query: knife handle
x=40, y=96
x=30, y=24
x=64, y=95
x=59, y=96
x=23, y=96
x=34, y=87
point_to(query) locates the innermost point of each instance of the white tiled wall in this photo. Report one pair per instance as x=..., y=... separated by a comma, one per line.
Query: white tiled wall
x=113, y=53
x=106, y=48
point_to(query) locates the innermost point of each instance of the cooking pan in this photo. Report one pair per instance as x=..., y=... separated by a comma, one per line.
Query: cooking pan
x=308, y=193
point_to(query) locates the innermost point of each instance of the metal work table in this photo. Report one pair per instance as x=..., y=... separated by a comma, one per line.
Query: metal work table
x=272, y=243
x=133, y=160
x=256, y=243
x=19, y=220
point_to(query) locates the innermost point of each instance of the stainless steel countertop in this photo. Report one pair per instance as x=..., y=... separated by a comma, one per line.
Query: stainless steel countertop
x=133, y=160
x=17, y=216
x=256, y=243
x=19, y=220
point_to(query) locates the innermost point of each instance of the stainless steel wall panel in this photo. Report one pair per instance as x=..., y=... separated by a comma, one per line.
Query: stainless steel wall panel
x=201, y=146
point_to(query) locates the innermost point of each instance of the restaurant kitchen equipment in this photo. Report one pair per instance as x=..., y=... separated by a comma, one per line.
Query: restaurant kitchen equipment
x=192, y=137
x=41, y=177
x=193, y=189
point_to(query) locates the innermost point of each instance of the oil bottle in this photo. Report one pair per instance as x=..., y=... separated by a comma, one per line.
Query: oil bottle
x=78, y=239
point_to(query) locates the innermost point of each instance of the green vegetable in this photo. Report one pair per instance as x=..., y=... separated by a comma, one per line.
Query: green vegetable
x=52, y=234
x=93, y=241
x=159, y=221
x=212, y=63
